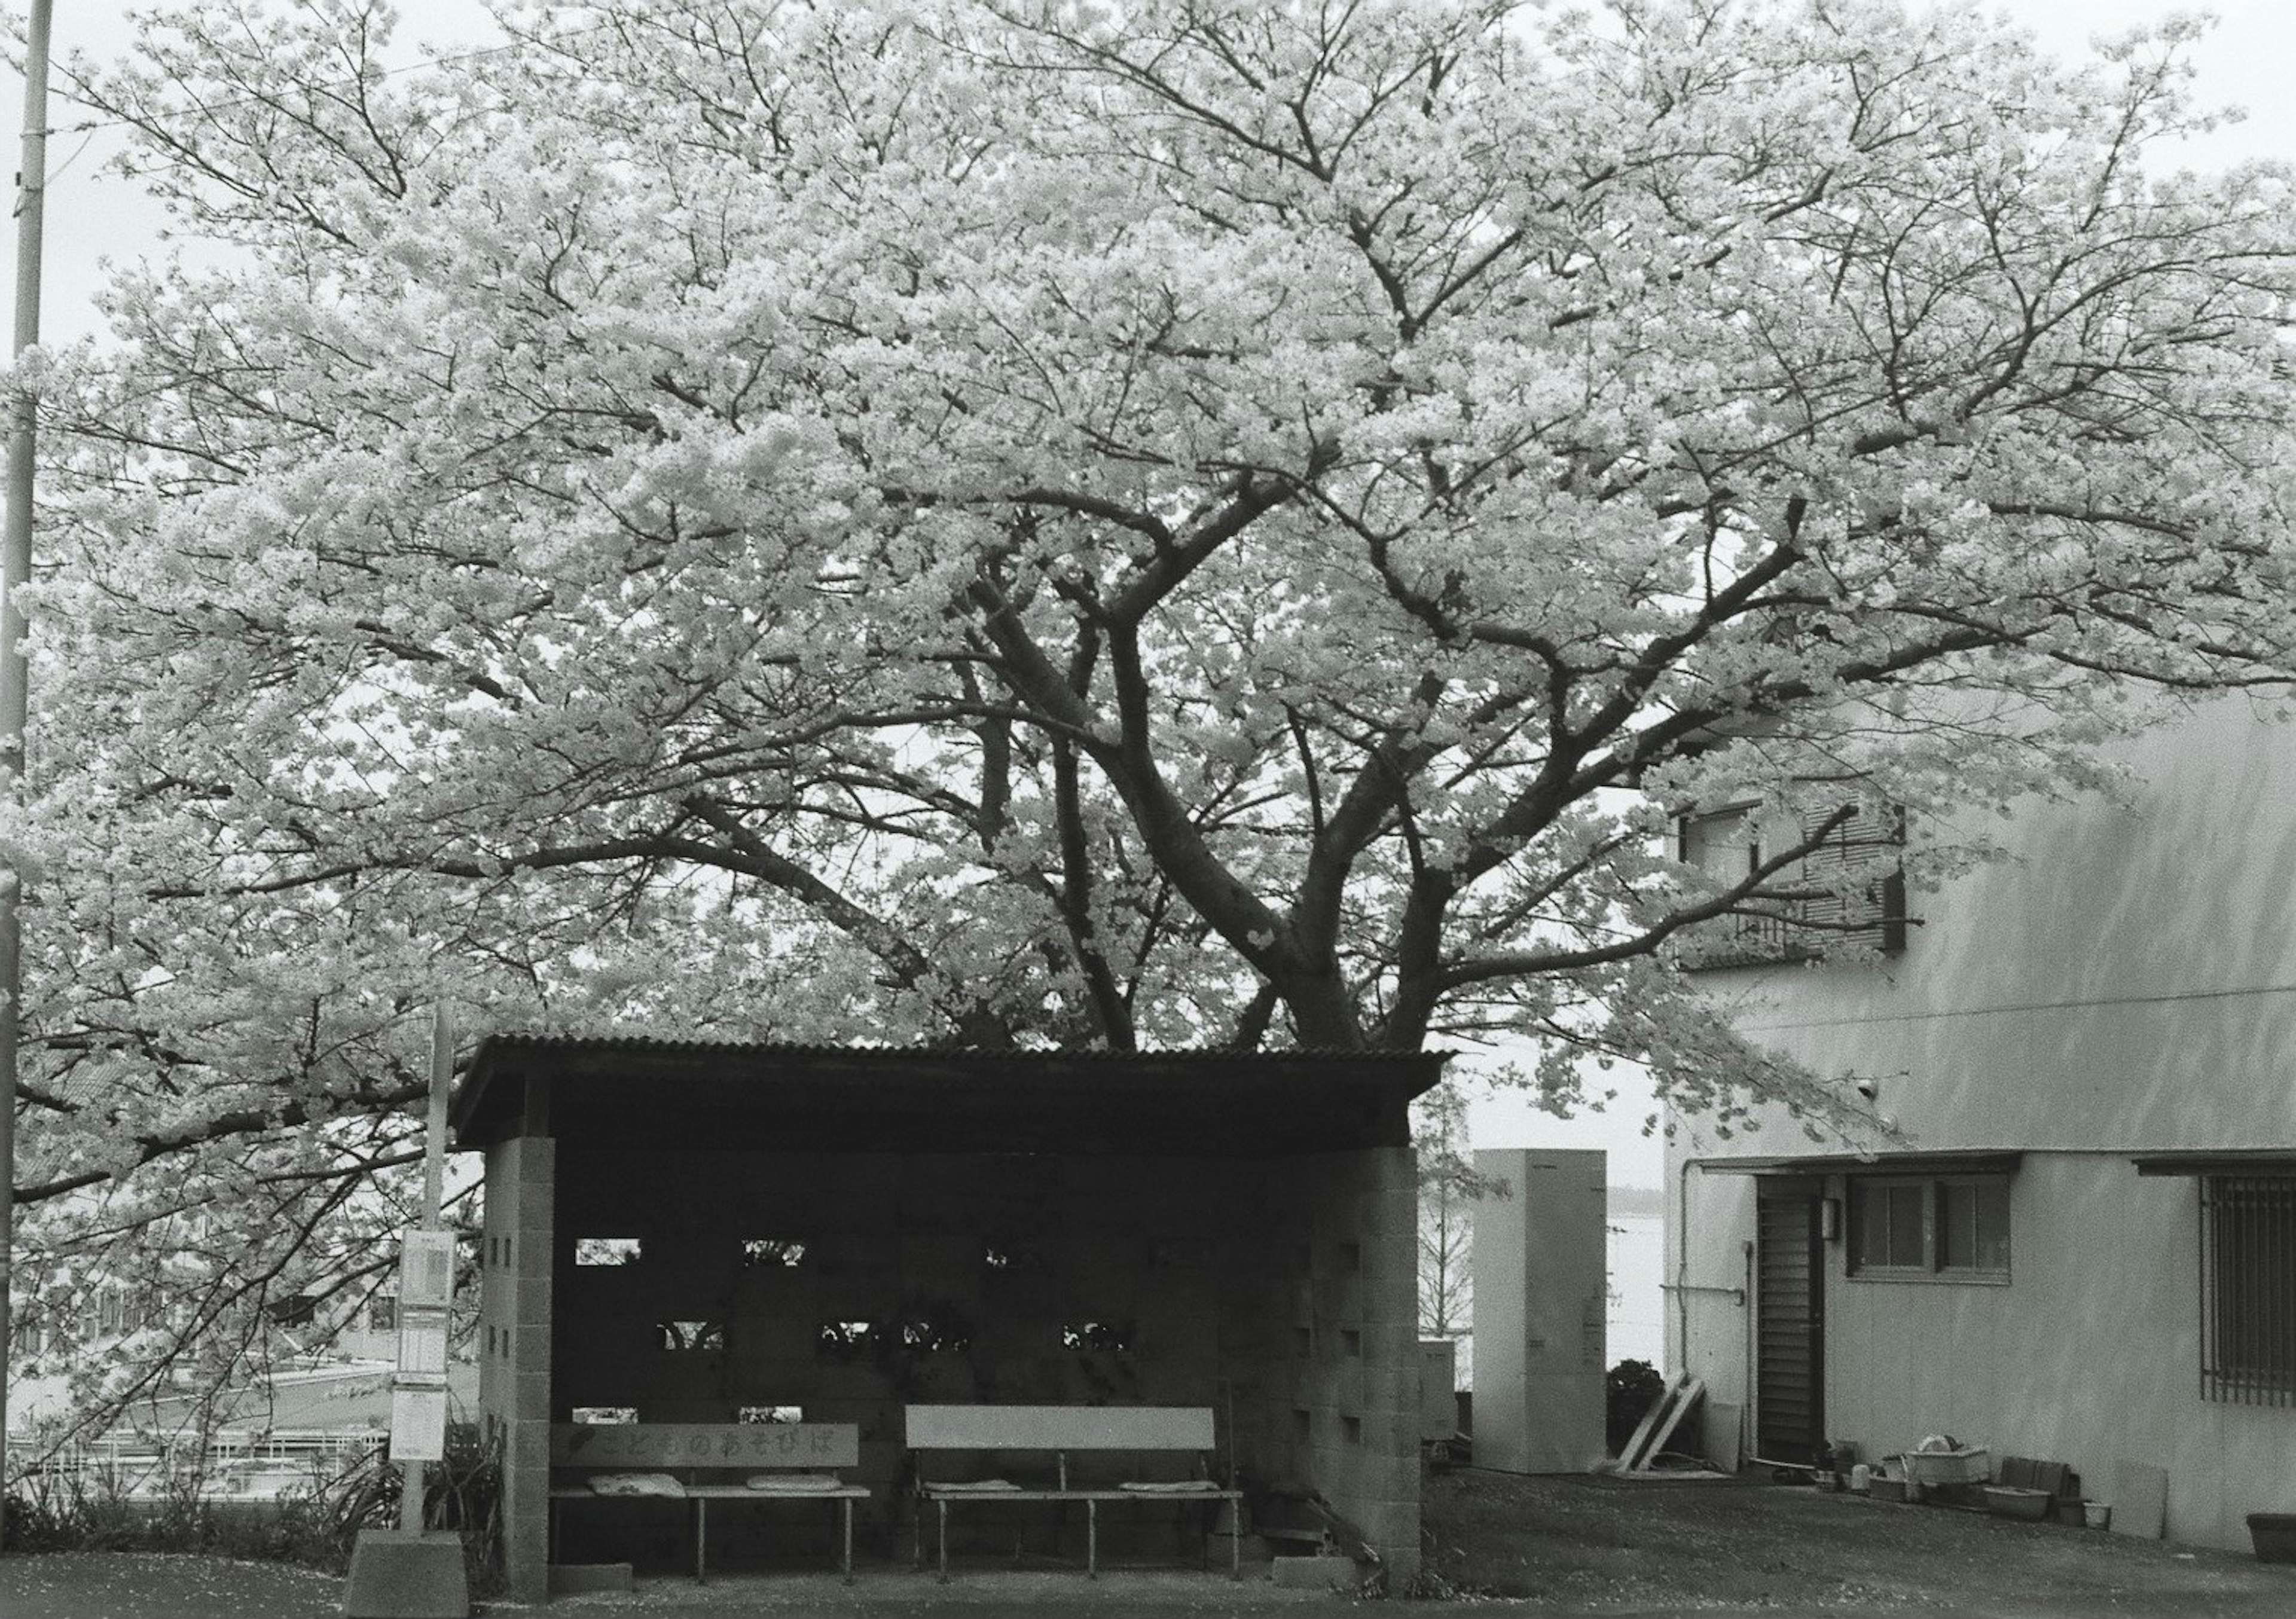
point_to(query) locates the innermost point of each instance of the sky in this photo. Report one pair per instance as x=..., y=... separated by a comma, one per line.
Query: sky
x=2249, y=60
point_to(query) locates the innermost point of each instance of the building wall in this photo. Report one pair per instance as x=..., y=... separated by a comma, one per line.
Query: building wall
x=2128, y=984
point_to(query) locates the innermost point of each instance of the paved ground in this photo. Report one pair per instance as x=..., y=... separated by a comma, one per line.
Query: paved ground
x=1517, y=1545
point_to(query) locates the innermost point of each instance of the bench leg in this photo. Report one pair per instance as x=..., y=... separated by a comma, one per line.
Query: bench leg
x=700, y=1541
x=943, y=1505
x=1092, y=1539
x=847, y=1504
x=1235, y=1542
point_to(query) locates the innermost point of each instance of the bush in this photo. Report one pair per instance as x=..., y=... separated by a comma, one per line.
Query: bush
x=66, y=1512
x=463, y=1493
x=315, y=1526
x=1632, y=1389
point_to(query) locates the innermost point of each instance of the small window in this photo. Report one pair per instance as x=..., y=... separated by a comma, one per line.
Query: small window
x=846, y=1340
x=382, y=1314
x=678, y=1336
x=605, y=1416
x=1891, y=1221
x=1727, y=842
x=936, y=1331
x=1951, y=1228
x=1351, y=1429
x=608, y=1250
x=1113, y=1336
x=770, y=1413
x=1011, y=1259
x=292, y=1310
x=1351, y=1342
x=772, y=1252
x=1973, y=1225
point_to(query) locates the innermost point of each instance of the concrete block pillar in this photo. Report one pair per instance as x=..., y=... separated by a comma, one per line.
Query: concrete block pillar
x=521, y=1198
x=1352, y=1361
x=1542, y=1296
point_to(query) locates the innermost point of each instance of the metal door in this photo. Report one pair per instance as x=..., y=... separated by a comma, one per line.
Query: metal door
x=1789, y=1323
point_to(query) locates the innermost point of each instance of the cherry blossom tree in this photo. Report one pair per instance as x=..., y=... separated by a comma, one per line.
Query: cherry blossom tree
x=1192, y=522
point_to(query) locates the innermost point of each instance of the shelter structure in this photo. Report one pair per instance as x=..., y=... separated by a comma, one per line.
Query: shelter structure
x=694, y=1232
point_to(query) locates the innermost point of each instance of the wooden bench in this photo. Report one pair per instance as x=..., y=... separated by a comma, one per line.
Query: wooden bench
x=701, y=1454
x=1063, y=1429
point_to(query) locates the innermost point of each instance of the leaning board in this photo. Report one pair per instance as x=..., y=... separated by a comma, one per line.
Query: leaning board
x=705, y=1444
x=1059, y=1428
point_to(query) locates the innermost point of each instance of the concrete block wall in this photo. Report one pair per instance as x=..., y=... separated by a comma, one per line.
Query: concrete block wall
x=1132, y=1245
x=515, y=1310
x=1261, y=1289
x=1338, y=1409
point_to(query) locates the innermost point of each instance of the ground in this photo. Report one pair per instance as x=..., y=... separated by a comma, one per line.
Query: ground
x=1600, y=1546
x=157, y=1585
x=1519, y=1546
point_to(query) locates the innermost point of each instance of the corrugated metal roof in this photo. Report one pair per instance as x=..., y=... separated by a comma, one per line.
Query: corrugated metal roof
x=536, y=1040
x=873, y=1097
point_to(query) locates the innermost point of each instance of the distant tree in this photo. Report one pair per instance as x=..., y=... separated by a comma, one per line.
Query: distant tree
x=1200, y=521
x=1447, y=1189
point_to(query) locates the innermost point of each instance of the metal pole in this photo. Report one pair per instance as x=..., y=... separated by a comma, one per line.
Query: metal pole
x=434, y=1124
x=434, y=1193
x=15, y=675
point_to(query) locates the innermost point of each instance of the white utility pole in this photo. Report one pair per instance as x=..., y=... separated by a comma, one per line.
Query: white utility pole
x=418, y=1394
x=15, y=674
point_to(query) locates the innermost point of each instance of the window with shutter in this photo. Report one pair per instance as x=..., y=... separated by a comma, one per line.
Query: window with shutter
x=1847, y=891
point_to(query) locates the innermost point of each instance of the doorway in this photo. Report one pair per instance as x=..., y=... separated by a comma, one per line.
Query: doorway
x=1789, y=1322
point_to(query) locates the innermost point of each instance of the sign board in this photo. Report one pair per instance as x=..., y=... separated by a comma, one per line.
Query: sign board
x=1059, y=1428
x=426, y=1271
x=422, y=1346
x=693, y=1444
x=418, y=1424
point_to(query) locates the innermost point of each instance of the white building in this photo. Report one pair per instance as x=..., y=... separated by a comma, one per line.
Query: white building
x=2085, y=1249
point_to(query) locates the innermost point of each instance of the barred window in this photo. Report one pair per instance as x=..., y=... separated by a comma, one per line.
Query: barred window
x=2248, y=1289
